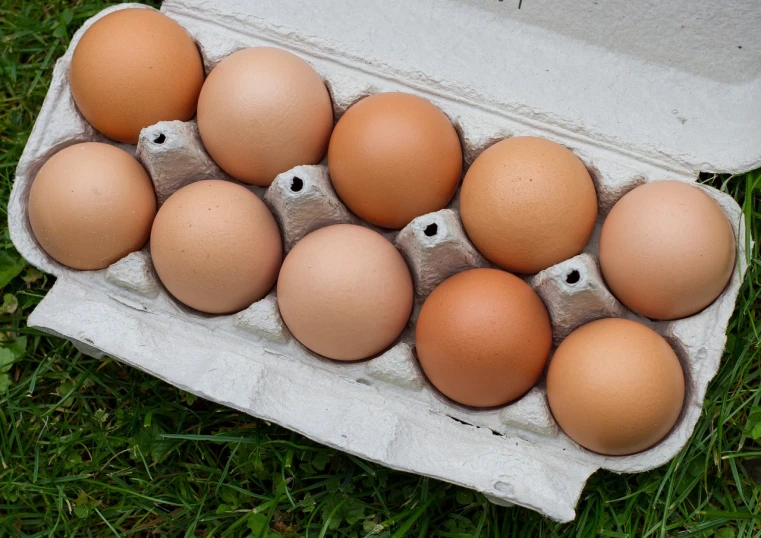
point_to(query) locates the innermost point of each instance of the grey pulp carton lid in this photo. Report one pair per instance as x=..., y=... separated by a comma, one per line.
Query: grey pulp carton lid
x=673, y=83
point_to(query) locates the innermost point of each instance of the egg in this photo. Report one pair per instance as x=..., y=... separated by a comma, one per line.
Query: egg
x=394, y=157
x=345, y=292
x=615, y=386
x=667, y=250
x=263, y=111
x=133, y=68
x=216, y=247
x=528, y=203
x=483, y=337
x=90, y=205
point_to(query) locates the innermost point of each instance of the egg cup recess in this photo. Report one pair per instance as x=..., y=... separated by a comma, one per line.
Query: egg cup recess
x=613, y=399
x=110, y=85
x=667, y=250
x=250, y=361
x=279, y=118
x=216, y=247
x=91, y=204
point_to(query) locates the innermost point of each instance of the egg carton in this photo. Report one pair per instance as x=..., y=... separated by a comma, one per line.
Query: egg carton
x=496, y=72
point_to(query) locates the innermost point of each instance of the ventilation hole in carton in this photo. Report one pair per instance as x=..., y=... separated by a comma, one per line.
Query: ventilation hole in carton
x=160, y=139
x=573, y=277
x=297, y=184
x=431, y=229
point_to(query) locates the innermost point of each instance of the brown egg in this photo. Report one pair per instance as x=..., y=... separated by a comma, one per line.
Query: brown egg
x=216, y=247
x=394, y=157
x=133, y=68
x=483, y=337
x=90, y=205
x=667, y=250
x=263, y=111
x=615, y=386
x=528, y=203
x=345, y=292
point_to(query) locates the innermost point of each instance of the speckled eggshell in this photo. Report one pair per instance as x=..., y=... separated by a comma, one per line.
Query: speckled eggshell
x=90, y=205
x=263, y=111
x=483, y=337
x=394, y=157
x=615, y=386
x=134, y=68
x=528, y=203
x=216, y=247
x=667, y=250
x=345, y=292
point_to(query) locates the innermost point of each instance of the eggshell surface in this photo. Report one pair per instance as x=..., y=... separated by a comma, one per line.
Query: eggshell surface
x=483, y=337
x=667, y=250
x=134, y=68
x=345, y=292
x=90, y=205
x=394, y=157
x=216, y=247
x=528, y=203
x=263, y=111
x=615, y=386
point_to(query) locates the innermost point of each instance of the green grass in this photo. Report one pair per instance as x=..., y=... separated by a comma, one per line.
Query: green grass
x=95, y=448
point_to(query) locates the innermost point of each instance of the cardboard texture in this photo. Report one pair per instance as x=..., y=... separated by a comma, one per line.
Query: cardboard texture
x=636, y=102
